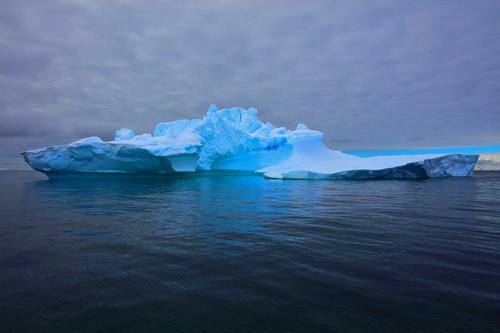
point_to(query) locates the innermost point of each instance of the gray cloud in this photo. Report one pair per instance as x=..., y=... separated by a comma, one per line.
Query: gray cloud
x=27, y=125
x=383, y=74
x=488, y=162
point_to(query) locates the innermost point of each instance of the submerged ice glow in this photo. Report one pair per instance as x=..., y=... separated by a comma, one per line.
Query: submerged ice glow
x=235, y=139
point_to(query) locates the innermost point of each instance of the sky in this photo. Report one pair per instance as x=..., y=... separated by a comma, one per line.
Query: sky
x=369, y=74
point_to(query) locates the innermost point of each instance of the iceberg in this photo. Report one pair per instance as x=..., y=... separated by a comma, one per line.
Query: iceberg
x=234, y=139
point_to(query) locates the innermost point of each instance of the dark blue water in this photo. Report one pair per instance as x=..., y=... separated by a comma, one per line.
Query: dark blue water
x=245, y=254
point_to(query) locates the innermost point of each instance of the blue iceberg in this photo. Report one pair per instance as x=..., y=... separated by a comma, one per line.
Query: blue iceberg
x=234, y=139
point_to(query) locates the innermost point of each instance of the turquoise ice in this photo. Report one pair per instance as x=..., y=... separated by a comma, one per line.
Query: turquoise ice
x=234, y=139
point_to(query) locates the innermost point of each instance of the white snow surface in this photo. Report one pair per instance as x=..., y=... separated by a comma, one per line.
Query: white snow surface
x=226, y=139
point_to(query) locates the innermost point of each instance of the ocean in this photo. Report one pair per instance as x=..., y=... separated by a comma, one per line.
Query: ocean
x=240, y=253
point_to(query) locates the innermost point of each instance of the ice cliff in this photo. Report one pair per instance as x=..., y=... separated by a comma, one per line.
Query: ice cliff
x=235, y=139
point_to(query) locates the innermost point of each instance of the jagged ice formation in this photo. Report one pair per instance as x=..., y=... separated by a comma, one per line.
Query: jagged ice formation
x=235, y=139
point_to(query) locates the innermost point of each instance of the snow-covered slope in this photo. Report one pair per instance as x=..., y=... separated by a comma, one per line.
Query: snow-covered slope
x=235, y=139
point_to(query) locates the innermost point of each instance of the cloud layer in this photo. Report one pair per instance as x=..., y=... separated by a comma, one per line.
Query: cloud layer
x=381, y=74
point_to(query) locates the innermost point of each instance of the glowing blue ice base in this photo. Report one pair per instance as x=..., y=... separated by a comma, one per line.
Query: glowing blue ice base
x=235, y=139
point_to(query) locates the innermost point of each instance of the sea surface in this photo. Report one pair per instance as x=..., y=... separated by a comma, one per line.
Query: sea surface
x=239, y=253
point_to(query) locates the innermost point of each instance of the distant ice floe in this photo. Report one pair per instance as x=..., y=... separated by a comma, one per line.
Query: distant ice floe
x=235, y=139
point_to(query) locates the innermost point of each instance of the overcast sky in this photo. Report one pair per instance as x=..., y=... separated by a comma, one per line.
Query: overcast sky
x=369, y=74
